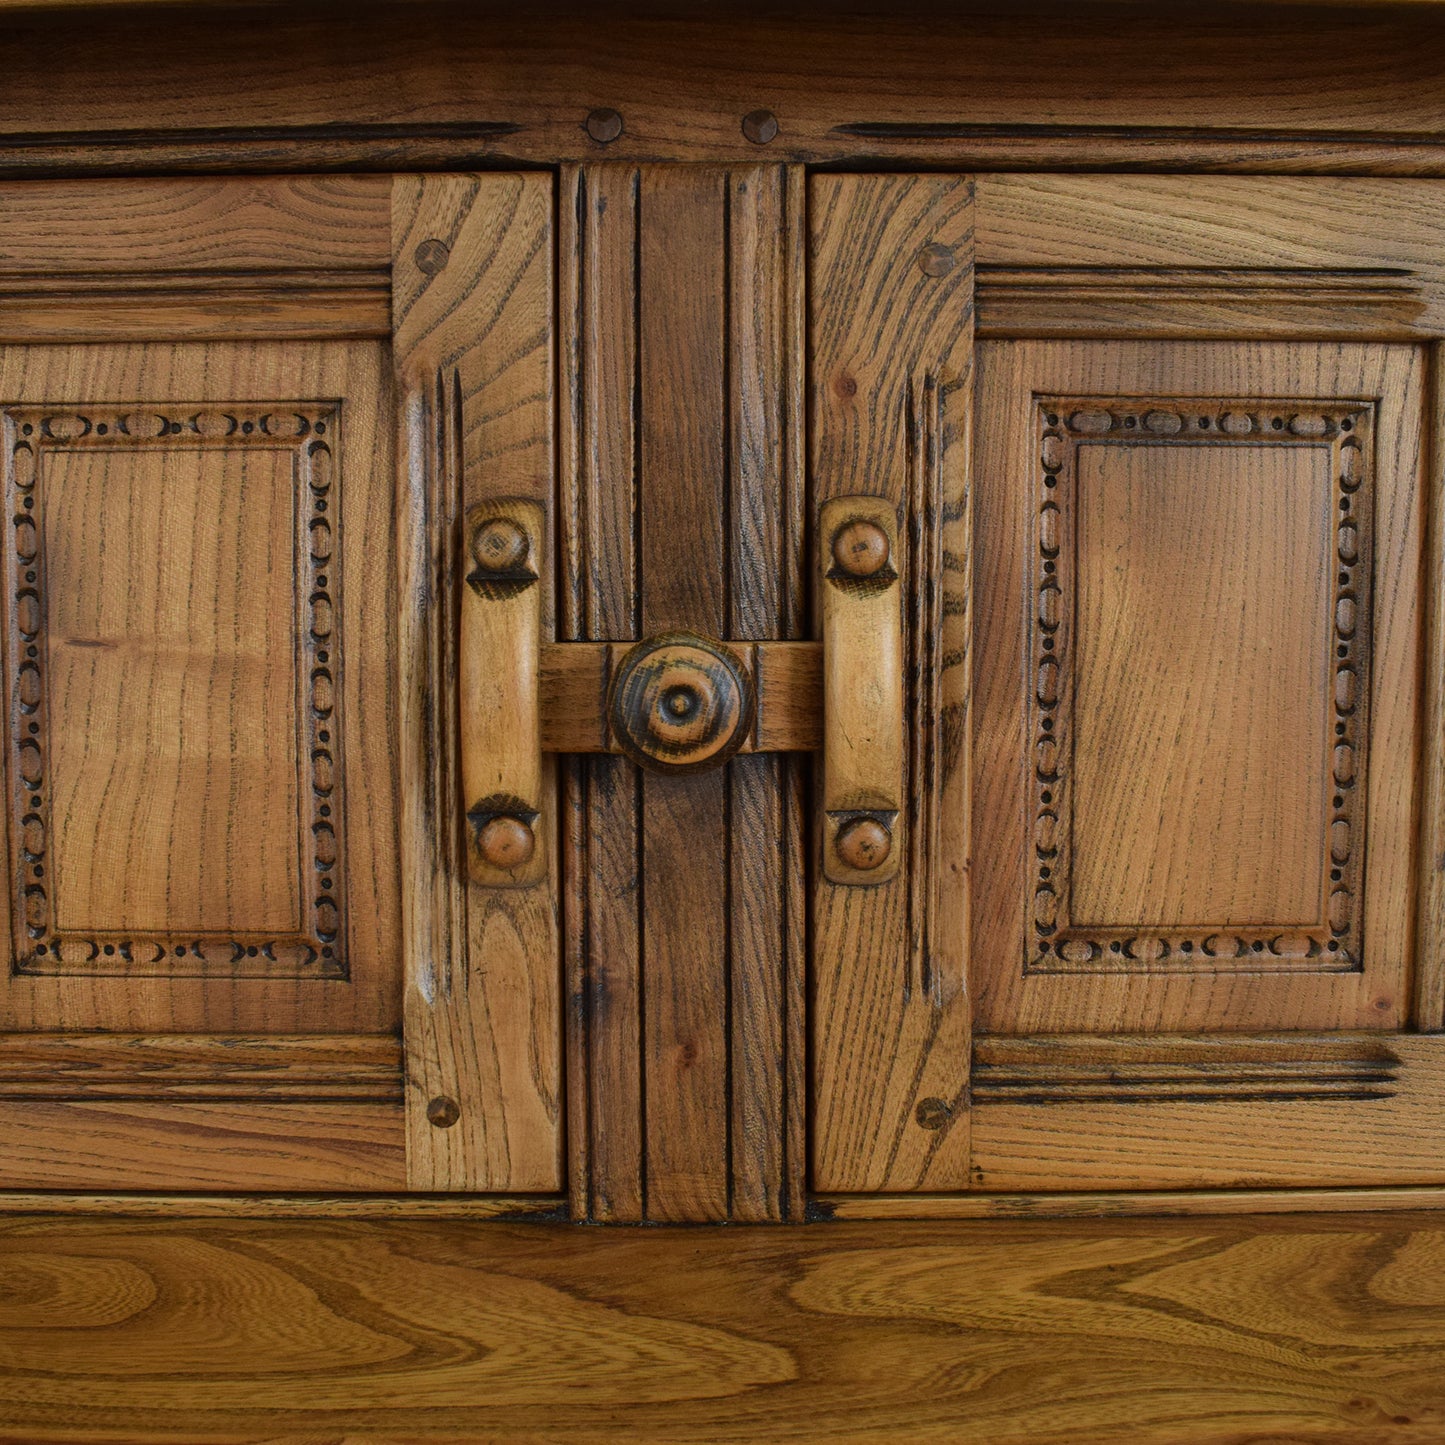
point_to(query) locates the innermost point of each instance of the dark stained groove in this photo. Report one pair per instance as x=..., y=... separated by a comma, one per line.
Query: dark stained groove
x=363, y=133
x=982, y=1097
x=1212, y=135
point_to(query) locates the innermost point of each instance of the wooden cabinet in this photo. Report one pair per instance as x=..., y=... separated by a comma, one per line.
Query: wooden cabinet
x=828, y=617
x=726, y=684
x=215, y=797
x=362, y=527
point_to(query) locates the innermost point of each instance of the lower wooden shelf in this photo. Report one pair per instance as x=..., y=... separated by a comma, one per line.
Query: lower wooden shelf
x=1291, y=1328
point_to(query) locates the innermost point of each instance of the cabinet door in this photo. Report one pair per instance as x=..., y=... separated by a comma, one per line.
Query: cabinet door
x=1198, y=918
x=201, y=394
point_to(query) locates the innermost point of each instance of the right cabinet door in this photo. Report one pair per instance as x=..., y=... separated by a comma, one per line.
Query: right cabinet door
x=1202, y=949
x=1169, y=905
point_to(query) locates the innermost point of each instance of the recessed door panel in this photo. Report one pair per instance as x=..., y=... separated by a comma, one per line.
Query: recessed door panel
x=1196, y=580
x=201, y=720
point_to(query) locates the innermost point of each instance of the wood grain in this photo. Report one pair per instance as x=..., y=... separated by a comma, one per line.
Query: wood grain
x=499, y=642
x=685, y=823
x=1318, y=1329
x=1248, y=1143
x=863, y=719
x=786, y=679
x=598, y=284
x=224, y=306
x=682, y=318
x=443, y=86
x=1429, y=982
x=195, y=227
x=199, y=1067
x=891, y=364
x=1150, y=722
x=1128, y=1204
x=222, y=666
x=1183, y=1068
x=170, y=1145
x=1308, y=303
x=1289, y=226
x=193, y=259
x=472, y=299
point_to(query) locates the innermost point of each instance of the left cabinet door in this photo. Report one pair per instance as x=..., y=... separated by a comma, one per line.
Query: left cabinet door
x=205, y=387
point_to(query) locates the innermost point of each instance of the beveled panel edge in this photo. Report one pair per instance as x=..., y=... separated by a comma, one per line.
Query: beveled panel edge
x=318, y=951
x=1347, y=427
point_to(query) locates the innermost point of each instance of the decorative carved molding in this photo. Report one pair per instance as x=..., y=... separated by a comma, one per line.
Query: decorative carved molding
x=204, y=1068
x=1181, y=1070
x=295, y=304
x=309, y=431
x=927, y=598
x=1331, y=943
x=1164, y=1069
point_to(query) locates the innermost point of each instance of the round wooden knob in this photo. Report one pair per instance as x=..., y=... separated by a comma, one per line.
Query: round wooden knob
x=500, y=545
x=860, y=549
x=864, y=844
x=506, y=842
x=680, y=702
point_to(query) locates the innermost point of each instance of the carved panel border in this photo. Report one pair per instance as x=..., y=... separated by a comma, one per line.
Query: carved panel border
x=309, y=431
x=1331, y=943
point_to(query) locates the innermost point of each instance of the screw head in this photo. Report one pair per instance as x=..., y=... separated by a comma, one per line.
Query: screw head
x=760, y=126
x=500, y=545
x=936, y=259
x=604, y=125
x=864, y=844
x=443, y=1112
x=860, y=548
x=506, y=842
x=431, y=256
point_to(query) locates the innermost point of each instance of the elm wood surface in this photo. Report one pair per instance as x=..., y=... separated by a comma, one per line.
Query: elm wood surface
x=196, y=1068
x=165, y=1145
x=1299, y=230
x=864, y=832
x=194, y=259
x=201, y=258
x=207, y=716
x=1381, y=1128
x=1077, y=1204
x=890, y=376
x=680, y=314
x=1120, y=727
x=472, y=268
x=1430, y=921
x=1099, y=301
x=499, y=645
x=1169, y=1333
x=450, y=87
x=786, y=679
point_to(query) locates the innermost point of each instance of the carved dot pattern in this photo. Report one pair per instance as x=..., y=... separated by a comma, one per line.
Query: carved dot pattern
x=308, y=429
x=1332, y=944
